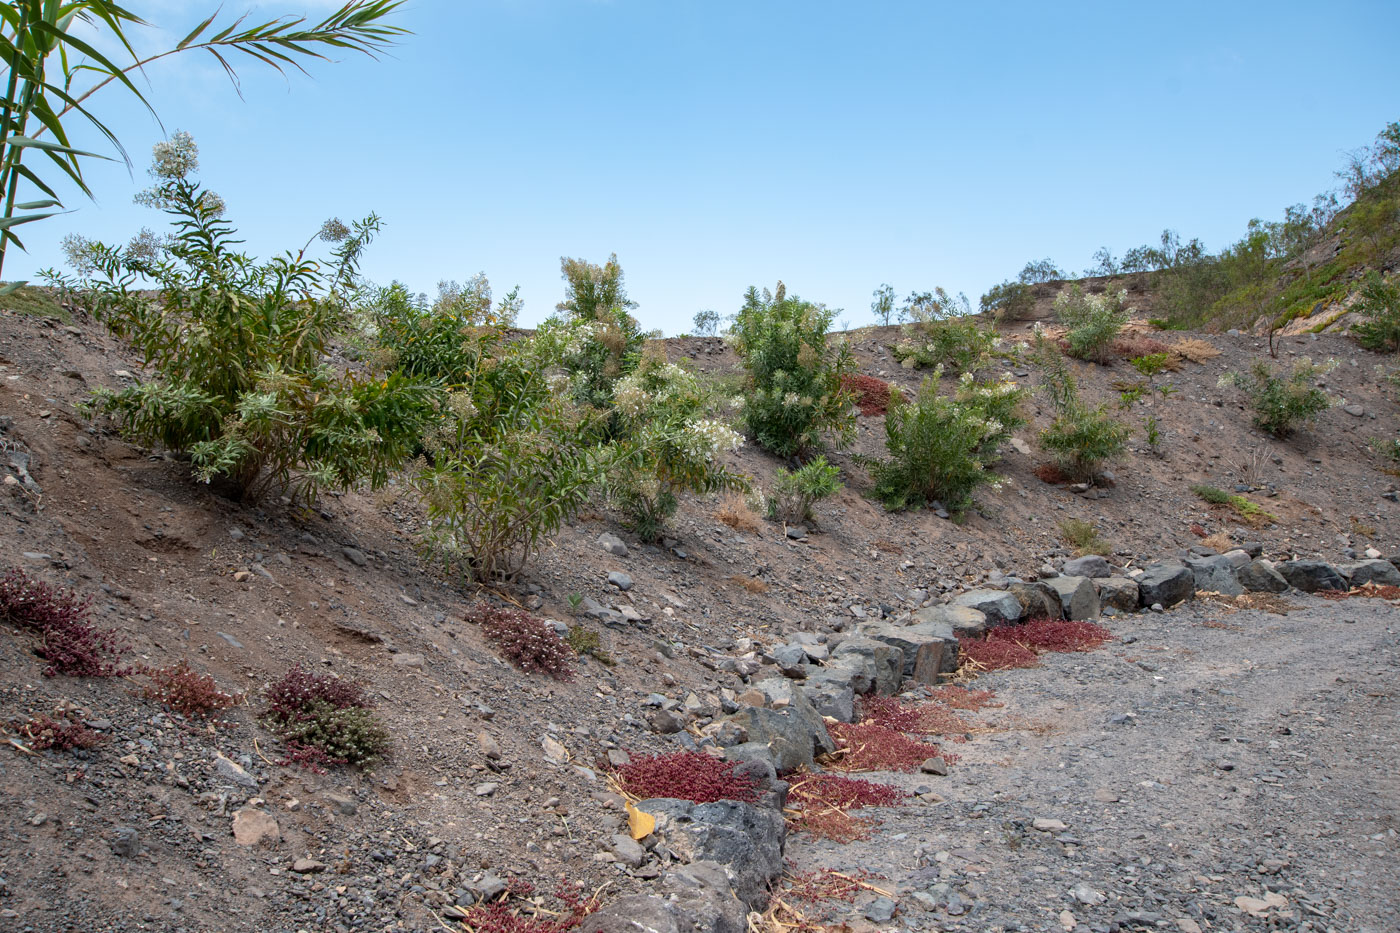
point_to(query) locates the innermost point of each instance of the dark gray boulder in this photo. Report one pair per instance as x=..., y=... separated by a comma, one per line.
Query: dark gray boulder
x=1215, y=574
x=1166, y=584
x=1078, y=598
x=1119, y=593
x=746, y=840
x=929, y=647
x=1039, y=600
x=1090, y=565
x=1311, y=575
x=700, y=899
x=883, y=662
x=998, y=606
x=794, y=735
x=1379, y=572
x=1259, y=576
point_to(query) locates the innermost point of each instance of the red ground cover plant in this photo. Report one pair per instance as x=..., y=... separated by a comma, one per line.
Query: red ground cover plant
x=524, y=640
x=691, y=776
x=67, y=640
x=333, y=716
x=1199, y=531
x=958, y=697
x=925, y=719
x=1053, y=635
x=988, y=654
x=1049, y=473
x=186, y=691
x=823, y=802
x=299, y=688
x=62, y=734
x=518, y=911
x=872, y=395
x=869, y=747
x=808, y=902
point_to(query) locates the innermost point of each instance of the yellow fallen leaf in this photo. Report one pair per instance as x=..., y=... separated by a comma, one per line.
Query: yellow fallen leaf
x=641, y=823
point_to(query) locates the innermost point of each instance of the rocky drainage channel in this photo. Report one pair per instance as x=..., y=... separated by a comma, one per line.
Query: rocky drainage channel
x=726, y=855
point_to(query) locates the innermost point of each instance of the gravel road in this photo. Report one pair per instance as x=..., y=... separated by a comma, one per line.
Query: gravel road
x=1212, y=770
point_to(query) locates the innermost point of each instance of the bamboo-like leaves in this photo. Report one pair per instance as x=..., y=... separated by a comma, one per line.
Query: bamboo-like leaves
x=33, y=32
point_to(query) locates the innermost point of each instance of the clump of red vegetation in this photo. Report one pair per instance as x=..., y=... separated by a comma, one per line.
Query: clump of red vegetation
x=186, y=691
x=1199, y=531
x=299, y=689
x=824, y=799
x=811, y=900
x=517, y=911
x=525, y=640
x=1130, y=346
x=1368, y=590
x=1049, y=473
x=63, y=734
x=867, y=746
x=958, y=697
x=872, y=395
x=994, y=654
x=308, y=757
x=691, y=776
x=1053, y=635
x=67, y=639
x=926, y=719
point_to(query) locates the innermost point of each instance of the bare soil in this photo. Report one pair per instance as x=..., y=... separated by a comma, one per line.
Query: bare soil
x=342, y=588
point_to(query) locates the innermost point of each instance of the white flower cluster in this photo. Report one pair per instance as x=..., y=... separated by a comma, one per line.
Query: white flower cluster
x=460, y=404
x=708, y=438
x=176, y=157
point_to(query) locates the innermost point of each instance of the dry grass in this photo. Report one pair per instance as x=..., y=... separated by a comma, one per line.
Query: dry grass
x=1195, y=349
x=735, y=513
x=1220, y=541
x=752, y=584
x=1266, y=602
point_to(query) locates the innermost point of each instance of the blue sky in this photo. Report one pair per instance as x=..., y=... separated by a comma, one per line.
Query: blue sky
x=714, y=145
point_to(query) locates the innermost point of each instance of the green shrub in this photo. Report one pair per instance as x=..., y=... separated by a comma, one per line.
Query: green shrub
x=1283, y=402
x=1248, y=511
x=960, y=345
x=1084, y=538
x=1152, y=432
x=1009, y=301
x=505, y=468
x=794, y=398
x=940, y=447
x=1080, y=438
x=324, y=720
x=238, y=348
x=606, y=340
x=437, y=344
x=1151, y=364
x=1380, y=305
x=796, y=491
x=1093, y=321
x=665, y=445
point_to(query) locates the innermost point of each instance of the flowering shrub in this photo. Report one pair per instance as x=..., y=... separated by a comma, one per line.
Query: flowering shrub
x=794, y=396
x=326, y=713
x=67, y=640
x=239, y=348
x=872, y=396
x=1094, y=321
x=959, y=345
x=796, y=491
x=505, y=466
x=940, y=447
x=186, y=692
x=441, y=344
x=665, y=445
x=872, y=747
x=605, y=341
x=823, y=802
x=524, y=640
x=1283, y=402
x=62, y=734
x=689, y=776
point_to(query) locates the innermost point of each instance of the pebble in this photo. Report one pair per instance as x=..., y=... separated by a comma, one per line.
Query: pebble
x=126, y=842
x=1046, y=825
x=620, y=580
x=486, y=789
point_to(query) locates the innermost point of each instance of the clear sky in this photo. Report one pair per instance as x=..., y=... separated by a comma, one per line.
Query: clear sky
x=713, y=145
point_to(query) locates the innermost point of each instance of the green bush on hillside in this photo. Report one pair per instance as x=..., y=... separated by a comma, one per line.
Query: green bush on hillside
x=1094, y=321
x=1283, y=402
x=794, y=398
x=1080, y=438
x=239, y=349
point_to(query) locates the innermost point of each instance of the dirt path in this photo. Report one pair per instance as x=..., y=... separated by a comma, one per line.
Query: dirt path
x=1202, y=758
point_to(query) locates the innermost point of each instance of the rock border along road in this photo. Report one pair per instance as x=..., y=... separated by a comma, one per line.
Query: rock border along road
x=1207, y=770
